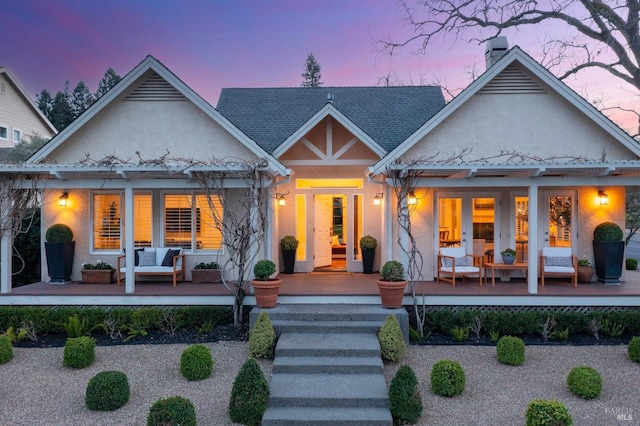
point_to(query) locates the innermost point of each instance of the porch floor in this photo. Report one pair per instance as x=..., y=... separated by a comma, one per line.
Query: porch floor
x=339, y=284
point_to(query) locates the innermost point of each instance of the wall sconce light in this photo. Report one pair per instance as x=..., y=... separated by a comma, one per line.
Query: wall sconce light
x=411, y=199
x=282, y=201
x=62, y=199
x=603, y=197
x=377, y=200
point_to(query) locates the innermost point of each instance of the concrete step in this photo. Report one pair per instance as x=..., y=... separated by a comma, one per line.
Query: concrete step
x=305, y=326
x=311, y=416
x=327, y=365
x=328, y=344
x=328, y=391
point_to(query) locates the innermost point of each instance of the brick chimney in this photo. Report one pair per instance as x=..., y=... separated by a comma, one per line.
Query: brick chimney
x=496, y=49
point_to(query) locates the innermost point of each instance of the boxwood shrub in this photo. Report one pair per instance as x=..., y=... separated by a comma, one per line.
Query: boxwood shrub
x=196, y=362
x=175, y=410
x=6, y=349
x=510, y=350
x=391, y=339
x=262, y=337
x=547, y=412
x=107, y=391
x=447, y=378
x=404, y=396
x=584, y=382
x=249, y=394
x=633, y=350
x=79, y=352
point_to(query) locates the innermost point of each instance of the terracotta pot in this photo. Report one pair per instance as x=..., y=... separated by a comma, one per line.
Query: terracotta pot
x=585, y=273
x=391, y=293
x=98, y=276
x=266, y=292
x=199, y=276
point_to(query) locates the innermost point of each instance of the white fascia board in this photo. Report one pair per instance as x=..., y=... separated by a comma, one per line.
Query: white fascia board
x=325, y=111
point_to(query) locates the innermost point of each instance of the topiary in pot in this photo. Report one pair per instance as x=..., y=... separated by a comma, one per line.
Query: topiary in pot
x=249, y=394
x=368, y=246
x=196, y=362
x=547, y=412
x=6, y=349
x=265, y=288
x=79, y=352
x=175, y=410
x=608, y=251
x=59, y=233
x=392, y=284
x=107, y=391
x=404, y=396
x=447, y=378
x=59, y=247
x=289, y=244
x=391, y=340
x=633, y=350
x=584, y=382
x=510, y=350
x=262, y=337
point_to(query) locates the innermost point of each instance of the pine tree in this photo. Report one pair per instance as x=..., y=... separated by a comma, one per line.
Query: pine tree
x=311, y=74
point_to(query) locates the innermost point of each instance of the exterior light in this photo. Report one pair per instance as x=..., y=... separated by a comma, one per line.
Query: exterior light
x=62, y=199
x=603, y=197
x=282, y=201
x=411, y=199
x=377, y=200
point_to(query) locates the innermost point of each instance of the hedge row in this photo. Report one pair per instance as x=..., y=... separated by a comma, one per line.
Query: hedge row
x=52, y=319
x=523, y=323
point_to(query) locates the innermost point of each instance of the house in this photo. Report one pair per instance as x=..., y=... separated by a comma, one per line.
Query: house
x=19, y=116
x=516, y=160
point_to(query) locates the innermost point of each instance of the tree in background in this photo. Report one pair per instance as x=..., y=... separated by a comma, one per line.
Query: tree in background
x=311, y=75
x=109, y=80
x=632, y=213
x=27, y=147
x=594, y=35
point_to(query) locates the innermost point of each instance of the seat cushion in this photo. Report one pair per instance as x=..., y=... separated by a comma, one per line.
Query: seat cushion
x=559, y=269
x=462, y=269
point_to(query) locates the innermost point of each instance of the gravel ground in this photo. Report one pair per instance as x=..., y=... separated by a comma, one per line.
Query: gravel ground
x=38, y=390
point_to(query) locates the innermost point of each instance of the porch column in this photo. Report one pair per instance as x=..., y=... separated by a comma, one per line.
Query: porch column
x=533, y=239
x=386, y=225
x=5, y=245
x=402, y=231
x=130, y=277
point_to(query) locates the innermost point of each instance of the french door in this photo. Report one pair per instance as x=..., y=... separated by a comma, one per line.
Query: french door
x=559, y=228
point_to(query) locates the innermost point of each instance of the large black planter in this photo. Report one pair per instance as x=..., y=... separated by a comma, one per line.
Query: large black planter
x=59, y=261
x=609, y=256
x=367, y=260
x=289, y=258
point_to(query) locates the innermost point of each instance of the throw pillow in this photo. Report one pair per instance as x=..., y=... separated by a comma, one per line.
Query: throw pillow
x=168, y=258
x=557, y=261
x=460, y=261
x=147, y=258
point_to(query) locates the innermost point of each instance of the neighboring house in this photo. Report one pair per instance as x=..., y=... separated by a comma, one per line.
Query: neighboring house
x=516, y=160
x=19, y=116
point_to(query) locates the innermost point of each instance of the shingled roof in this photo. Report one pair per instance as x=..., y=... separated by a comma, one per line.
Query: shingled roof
x=387, y=114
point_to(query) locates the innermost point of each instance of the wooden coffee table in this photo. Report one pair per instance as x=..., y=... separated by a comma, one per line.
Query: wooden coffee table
x=494, y=266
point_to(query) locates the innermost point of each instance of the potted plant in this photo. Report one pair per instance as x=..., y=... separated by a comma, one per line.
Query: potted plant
x=100, y=273
x=585, y=270
x=265, y=288
x=608, y=251
x=289, y=244
x=508, y=256
x=206, y=272
x=59, y=247
x=392, y=284
x=368, y=246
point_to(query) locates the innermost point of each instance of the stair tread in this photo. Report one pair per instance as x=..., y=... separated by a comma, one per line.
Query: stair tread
x=328, y=340
x=301, y=414
x=329, y=386
x=327, y=360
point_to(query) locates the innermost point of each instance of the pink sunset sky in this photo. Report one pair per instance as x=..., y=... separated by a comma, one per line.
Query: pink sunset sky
x=244, y=43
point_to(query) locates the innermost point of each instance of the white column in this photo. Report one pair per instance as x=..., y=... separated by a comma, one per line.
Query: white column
x=533, y=239
x=130, y=278
x=5, y=246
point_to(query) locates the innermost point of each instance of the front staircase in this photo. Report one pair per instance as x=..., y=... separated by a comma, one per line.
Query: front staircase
x=328, y=369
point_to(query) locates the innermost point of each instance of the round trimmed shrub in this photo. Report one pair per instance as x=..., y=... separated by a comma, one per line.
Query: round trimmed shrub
x=391, y=340
x=584, y=382
x=59, y=233
x=631, y=264
x=542, y=412
x=196, y=362
x=172, y=411
x=249, y=394
x=634, y=349
x=107, y=391
x=262, y=337
x=447, y=378
x=510, y=350
x=79, y=352
x=6, y=349
x=404, y=396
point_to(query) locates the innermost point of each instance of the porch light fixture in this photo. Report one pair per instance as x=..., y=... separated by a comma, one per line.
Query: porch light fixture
x=411, y=199
x=62, y=199
x=377, y=200
x=282, y=201
x=603, y=197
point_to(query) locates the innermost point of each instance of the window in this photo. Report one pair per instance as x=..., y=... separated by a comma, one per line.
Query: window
x=142, y=220
x=17, y=135
x=3, y=133
x=190, y=222
x=106, y=221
